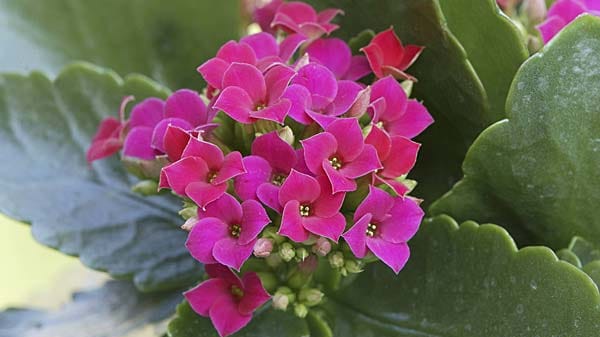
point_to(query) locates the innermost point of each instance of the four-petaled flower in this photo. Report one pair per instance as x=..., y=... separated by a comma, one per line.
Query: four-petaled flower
x=227, y=231
x=298, y=17
x=387, y=55
x=108, y=140
x=202, y=172
x=382, y=225
x=340, y=153
x=335, y=54
x=228, y=300
x=309, y=206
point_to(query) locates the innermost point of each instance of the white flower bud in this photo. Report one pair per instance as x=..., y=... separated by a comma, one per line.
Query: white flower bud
x=263, y=247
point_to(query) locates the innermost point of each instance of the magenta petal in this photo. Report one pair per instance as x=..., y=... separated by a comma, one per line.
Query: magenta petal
x=217, y=270
x=398, y=187
x=263, y=44
x=268, y=194
x=356, y=236
x=202, y=238
x=186, y=104
x=236, y=103
x=328, y=204
x=551, y=27
x=203, y=193
x=347, y=93
x=339, y=182
x=158, y=135
x=359, y=68
x=232, y=167
x=175, y=141
x=365, y=163
x=395, y=255
x=258, y=172
x=147, y=113
x=255, y=294
x=317, y=149
x=350, y=141
x=289, y=45
x=381, y=141
x=291, y=222
x=413, y=122
x=330, y=228
x=233, y=51
x=403, y=223
x=567, y=10
x=229, y=252
x=320, y=82
x=254, y=221
x=212, y=71
x=332, y=53
x=183, y=172
x=404, y=158
x=275, y=112
x=314, y=30
x=204, y=295
x=138, y=143
x=300, y=98
x=328, y=14
x=277, y=79
x=323, y=120
x=378, y=203
x=299, y=186
x=225, y=316
x=226, y=208
x=212, y=154
x=395, y=97
x=247, y=77
x=279, y=154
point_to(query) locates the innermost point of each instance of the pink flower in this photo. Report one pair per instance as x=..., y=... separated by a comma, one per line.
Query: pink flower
x=394, y=112
x=316, y=95
x=562, y=12
x=398, y=156
x=264, y=15
x=336, y=56
x=228, y=300
x=227, y=231
x=150, y=118
x=298, y=17
x=340, y=153
x=202, y=172
x=267, y=168
x=383, y=224
x=387, y=55
x=248, y=95
x=309, y=206
x=108, y=140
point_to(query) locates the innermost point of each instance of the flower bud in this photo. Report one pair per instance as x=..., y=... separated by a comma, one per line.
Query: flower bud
x=300, y=310
x=269, y=280
x=352, y=267
x=287, y=135
x=280, y=302
x=407, y=85
x=146, y=187
x=310, y=296
x=190, y=223
x=273, y=260
x=301, y=253
x=322, y=247
x=189, y=212
x=336, y=260
x=535, y=10
x=286, y=252
x=263, y=247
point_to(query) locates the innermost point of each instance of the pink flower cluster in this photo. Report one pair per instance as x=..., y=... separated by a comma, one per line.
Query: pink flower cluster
x=322, y=142
x=562, y=12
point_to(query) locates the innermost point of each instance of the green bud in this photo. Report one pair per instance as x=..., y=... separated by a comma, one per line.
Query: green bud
x=189, y=212
x=273, y=260
x=300, y=310
x=352, y=267
x=286, y=251
x=268, y=280
x=310, y=296
x=146, y=187
x=407, y=86
x=301, y=253
x=283, y=297
x=336, y=260
x=298, y=279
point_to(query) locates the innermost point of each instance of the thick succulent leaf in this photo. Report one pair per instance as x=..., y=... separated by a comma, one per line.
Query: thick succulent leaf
x=163, y=40
x=468, y=281
x=448, y=84
x=115, y=310
x=539, y=170
x=265, y=323
x=45, y=129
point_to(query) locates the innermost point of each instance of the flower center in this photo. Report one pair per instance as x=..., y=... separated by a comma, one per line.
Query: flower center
x=379, y=125
x=235, y=230
x=277, y=179
x=335, y=163
x=371, y=230
x=237, y=292
x=304, y=210
x=211, y=176
x=260, y=106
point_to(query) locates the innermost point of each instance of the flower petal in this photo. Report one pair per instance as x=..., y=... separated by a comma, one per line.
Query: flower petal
x=247, y=77
x=277, y=79
x=330, y=228
x=203, y=236
x=181, y=173
x=349, y=137
x=356, y=236
x=147, y=113
x=395, y=99
x=317, y=149
x=289, y=45
x=229, y=252
x=263, y=44
x=300, y=187
x=268, y=194
x=203, y=193
x=415, y=119
x=374, y=56
x=212, y=154
x=204, y=295
x=395, y=255
x=255, y=294
x=158, y=135
x=254, y=220
x=359, y=68
x=365, y=163
x=339, y=182
x=226, y=208
x=138, y=143
x=258, y=172
x=403, y=223
x=236, y=103
x=233, y=51
x=300, y=100
x=187, y=105
x=225, y=316
x=381, y=141
x=404, y=158
x=549, y=28
x=279, y=154
x=291, y=222
x=320, y=82
x=232, y=167
x=328, y=204
x=333, y=53
x=275, y=112
x=378, y=203
x=212, y=71
x=175, y=141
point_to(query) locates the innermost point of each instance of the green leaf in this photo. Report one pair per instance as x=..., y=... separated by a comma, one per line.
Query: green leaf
x=45, y=129
x=163, y=40
x=537, y=173
x=467, y=281
x=114, y=310
x=448, y=84
x=265, y=323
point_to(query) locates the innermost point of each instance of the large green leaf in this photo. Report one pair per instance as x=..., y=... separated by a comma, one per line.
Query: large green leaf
x=114, y=310
x=448, y=84
x=467, y=281
x=539, y=170
x=163, y=40
x=45, y=128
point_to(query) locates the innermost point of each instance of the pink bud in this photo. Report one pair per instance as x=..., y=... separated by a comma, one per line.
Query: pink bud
x=322, y=247
x=263, y=247
x=190, y=223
